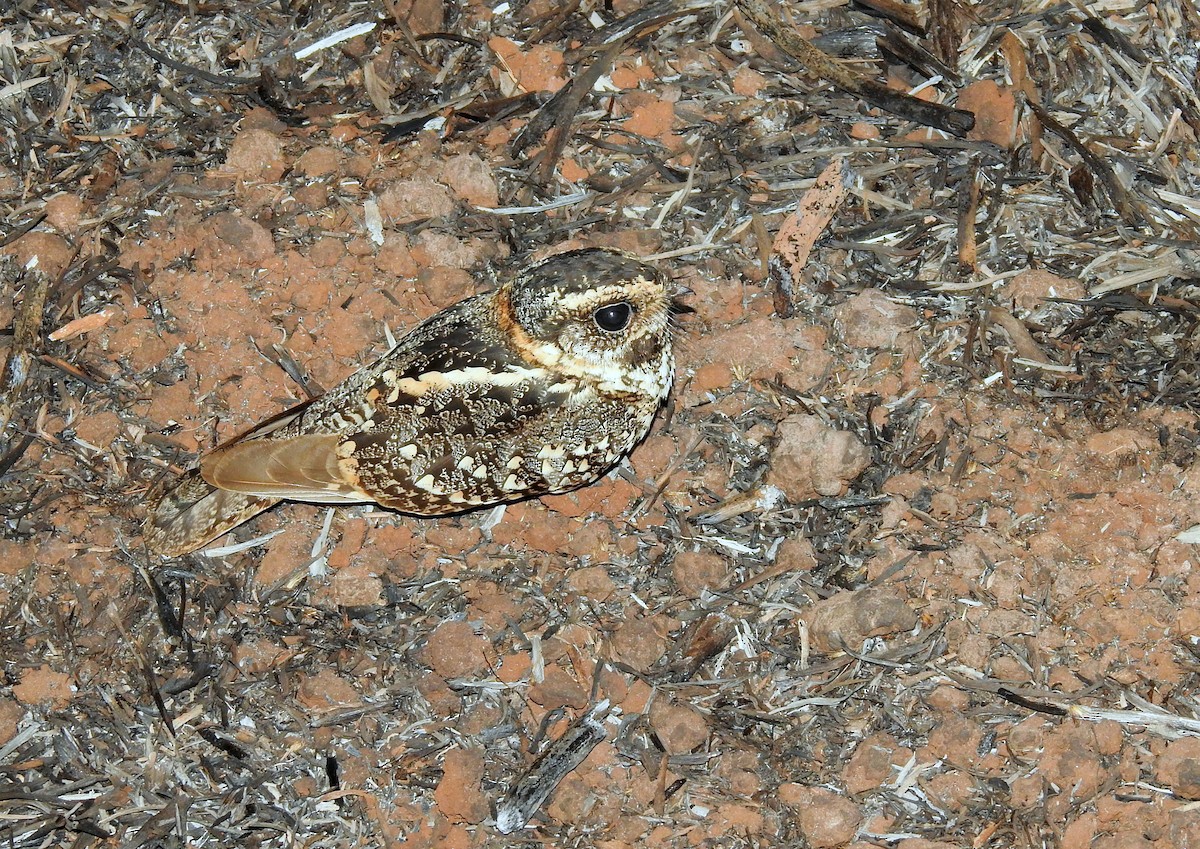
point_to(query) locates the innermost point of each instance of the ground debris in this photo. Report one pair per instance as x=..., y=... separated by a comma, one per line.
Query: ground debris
x=932, y=444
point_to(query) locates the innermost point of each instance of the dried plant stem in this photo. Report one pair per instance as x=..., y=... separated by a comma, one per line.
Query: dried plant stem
x=954, y=121
x=26, y=330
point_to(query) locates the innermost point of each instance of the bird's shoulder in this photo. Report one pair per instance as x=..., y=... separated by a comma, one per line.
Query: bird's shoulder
x=458, y=363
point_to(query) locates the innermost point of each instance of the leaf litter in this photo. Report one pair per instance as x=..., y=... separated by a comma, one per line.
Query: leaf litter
x=197, y=231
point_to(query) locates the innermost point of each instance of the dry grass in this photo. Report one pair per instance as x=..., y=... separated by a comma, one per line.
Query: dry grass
x=196, y=715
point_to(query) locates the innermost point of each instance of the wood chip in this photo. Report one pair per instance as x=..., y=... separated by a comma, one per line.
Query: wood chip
x=801, y=229
x=83, y=324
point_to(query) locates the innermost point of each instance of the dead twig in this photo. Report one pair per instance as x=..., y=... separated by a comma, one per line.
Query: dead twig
x=1022, y=340
x=1127, y=207
x=556, y=116
x=27, y=331
x=956, y=122
x=198, y=73
x=560, y=759
x=19, y=231
x=968, y=209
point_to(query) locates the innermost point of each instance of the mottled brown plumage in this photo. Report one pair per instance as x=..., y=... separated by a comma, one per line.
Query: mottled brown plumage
x=537, y=387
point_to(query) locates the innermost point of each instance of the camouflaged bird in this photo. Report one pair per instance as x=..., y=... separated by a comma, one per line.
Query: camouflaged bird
x=537, y=387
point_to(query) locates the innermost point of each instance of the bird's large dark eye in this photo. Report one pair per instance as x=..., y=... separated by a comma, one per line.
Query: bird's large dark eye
x=613, y=317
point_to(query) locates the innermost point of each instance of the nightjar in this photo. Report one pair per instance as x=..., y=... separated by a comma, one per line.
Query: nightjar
x=537, y=387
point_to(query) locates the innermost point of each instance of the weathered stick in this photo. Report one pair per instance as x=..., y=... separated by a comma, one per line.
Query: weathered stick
x=957, y=122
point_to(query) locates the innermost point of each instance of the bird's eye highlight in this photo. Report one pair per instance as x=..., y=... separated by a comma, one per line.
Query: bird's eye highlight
x=614, y=317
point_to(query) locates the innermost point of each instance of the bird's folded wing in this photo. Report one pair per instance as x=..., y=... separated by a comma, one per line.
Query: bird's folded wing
x=299, y=468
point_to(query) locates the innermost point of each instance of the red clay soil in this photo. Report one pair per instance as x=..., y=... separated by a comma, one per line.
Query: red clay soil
x=905, y=563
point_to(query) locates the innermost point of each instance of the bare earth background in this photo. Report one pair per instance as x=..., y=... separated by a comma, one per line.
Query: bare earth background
x=899, y=474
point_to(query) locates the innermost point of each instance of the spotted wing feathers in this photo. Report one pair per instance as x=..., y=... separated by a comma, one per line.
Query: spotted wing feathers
x=455, y=453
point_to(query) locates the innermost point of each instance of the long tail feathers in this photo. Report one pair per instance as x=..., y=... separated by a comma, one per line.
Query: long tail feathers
x=193, y=513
